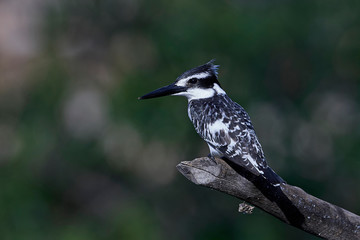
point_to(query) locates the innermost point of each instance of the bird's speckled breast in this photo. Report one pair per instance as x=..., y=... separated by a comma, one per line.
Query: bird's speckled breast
x=213, y=111
x=227, y=128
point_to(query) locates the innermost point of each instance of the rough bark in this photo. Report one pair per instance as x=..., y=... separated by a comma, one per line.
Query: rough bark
x=290, y=204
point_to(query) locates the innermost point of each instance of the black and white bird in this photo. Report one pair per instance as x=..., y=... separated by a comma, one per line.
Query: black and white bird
x=222, y=123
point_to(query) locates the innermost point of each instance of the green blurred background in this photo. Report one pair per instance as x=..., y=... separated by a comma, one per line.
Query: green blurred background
x=82, y=158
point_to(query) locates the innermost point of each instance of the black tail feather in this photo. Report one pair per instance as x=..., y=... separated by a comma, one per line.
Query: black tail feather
x=272, y=177
x=269, y=185
x=268, y=176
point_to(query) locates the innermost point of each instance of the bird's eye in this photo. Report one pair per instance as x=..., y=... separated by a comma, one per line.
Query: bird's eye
x=192, y=80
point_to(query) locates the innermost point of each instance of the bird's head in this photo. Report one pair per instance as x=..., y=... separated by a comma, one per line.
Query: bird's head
x=197, y=83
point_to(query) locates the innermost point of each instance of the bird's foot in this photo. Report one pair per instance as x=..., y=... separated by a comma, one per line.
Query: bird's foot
x=212, y=159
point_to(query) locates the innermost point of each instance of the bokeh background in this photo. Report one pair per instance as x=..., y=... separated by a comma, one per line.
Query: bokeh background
x=82, y=158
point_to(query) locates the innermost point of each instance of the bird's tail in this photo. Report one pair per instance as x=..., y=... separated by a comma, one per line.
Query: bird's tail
x=272, y=177
x=253, y=175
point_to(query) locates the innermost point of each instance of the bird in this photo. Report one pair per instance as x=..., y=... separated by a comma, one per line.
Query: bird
x=222, y=123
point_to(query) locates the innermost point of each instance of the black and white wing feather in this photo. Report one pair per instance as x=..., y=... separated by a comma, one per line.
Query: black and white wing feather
x=229, y=133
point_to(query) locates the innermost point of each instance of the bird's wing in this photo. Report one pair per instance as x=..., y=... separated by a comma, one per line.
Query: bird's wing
x=234, y=137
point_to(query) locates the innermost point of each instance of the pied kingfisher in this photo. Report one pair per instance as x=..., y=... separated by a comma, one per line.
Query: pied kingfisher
x=221, y=122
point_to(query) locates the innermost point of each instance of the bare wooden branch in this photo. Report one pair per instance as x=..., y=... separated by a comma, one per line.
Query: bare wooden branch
x=288, y=203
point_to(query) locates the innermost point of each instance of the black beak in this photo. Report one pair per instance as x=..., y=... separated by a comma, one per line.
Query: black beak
x=164, y=91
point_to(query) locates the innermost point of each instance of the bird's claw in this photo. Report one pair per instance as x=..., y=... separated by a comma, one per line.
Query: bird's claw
x=212, y=159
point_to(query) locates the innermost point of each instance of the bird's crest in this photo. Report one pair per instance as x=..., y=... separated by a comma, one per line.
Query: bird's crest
x=208, y=67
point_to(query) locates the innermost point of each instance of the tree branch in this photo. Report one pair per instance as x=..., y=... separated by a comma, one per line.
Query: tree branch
x=288, y=203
